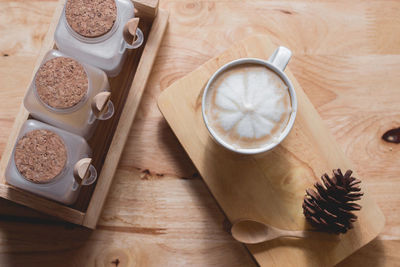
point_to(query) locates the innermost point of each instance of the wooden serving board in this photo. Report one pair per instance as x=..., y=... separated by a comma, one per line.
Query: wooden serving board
x=269, y=187
x=110, y=136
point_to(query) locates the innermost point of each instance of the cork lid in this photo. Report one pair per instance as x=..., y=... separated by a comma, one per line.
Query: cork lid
x=40, y=155
x=91, y=18
x=61, y=82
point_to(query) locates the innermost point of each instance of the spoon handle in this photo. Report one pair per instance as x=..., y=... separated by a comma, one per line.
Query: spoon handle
x=289, y=233
x=309, y=234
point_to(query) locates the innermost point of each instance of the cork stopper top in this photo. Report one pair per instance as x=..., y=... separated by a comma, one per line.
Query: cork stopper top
x=40, y=155
x=91, y=18
x=61, y=82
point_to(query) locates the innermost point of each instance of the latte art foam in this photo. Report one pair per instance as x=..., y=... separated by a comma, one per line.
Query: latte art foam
x=248, y=106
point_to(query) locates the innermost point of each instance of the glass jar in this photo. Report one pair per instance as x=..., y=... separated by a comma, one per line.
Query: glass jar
x=50, y=162
x=96, y=42
x=69, y=95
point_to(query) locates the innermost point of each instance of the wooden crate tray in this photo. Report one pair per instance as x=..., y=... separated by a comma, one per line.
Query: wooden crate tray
x=269, y=187
x=110, y=137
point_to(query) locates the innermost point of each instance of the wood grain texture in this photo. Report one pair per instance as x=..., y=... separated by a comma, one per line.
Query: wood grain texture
x=268, y=188
x=170, y=195
x=147, y=8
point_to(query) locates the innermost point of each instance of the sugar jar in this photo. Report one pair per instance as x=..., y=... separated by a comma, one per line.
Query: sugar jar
x=69, y=94
x=50, y=162
x=93, y=31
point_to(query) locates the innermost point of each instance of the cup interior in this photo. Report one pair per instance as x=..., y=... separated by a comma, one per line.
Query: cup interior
x=293, y=99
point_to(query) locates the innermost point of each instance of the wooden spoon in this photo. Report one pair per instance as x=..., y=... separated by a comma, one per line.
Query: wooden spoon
x=253, y=232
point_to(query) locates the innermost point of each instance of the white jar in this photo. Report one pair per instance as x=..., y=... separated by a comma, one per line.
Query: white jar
x=46, y=173
x=80, y=118
x=107, y=51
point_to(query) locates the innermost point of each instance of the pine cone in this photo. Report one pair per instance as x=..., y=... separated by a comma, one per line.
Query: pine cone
x=330, y=207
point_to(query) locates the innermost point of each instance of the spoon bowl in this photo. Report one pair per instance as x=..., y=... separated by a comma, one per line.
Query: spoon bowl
x=252, y=232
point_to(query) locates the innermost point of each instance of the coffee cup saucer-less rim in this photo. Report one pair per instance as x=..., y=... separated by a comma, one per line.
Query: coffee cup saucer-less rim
x=282, y=75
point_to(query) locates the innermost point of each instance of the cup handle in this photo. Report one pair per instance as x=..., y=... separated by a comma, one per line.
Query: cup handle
x=280, y=58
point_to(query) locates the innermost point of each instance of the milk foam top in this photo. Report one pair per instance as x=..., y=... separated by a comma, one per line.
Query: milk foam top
x=248, y=106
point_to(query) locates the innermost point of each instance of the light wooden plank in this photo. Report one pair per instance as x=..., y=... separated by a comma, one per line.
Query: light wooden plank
x=269, y=187
x=147, y=8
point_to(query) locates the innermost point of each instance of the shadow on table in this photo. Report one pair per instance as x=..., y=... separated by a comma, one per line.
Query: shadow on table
x=29, y=238
x=372, y=254
x=215, y=217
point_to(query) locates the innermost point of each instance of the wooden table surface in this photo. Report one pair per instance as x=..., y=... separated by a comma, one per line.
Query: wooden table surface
x=159, y=212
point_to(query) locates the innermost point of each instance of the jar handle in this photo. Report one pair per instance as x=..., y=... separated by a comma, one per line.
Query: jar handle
x=102, y=106
x=84, y=172
x=133, y=36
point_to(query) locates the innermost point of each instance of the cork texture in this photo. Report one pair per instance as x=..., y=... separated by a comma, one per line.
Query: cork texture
x=40, y=155
x=91, y=18
x=61, y=82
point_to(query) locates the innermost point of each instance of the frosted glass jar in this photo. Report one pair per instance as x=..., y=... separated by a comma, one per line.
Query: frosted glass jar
x=62, y=185
x=107, y=51
x=80, y=118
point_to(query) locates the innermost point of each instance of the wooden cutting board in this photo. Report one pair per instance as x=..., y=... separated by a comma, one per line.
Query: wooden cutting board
x=270, y=187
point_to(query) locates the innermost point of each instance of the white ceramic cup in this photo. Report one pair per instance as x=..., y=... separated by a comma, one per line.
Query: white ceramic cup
x=277, y=63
